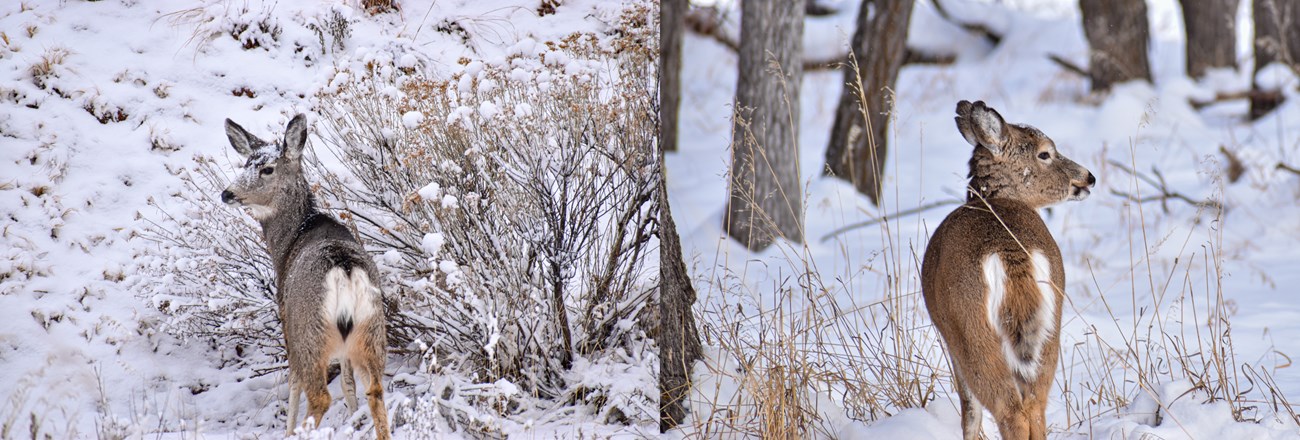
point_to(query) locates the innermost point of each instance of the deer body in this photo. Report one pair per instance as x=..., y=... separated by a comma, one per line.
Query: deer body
x=992, y=275
x=331, y=306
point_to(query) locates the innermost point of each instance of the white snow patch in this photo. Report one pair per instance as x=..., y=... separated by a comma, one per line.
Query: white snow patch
x=488, y=110
x=432, y=244
x=412, y=119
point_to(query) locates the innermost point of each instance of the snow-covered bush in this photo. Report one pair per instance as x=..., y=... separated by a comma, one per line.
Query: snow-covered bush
x=513, y=207
x=209, y=274
x=252, y=24
x=509, y=207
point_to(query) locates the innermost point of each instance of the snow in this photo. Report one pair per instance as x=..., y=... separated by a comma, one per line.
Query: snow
x=412, y=119
x=488, y=111
x=432, y=244
x=432, y=191
x=103, y=106
x=1276, y=76
x=1139, y=276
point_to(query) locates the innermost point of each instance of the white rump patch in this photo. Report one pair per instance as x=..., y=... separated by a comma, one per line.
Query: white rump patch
x=995, y=276
x=1046, y=315
x=349, y=297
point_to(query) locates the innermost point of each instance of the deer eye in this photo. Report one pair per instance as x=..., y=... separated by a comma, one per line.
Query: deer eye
x=267, y=171
x=1044, y=155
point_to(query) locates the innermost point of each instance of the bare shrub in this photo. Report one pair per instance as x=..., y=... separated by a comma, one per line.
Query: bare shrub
x=209, y=274
x=251, y=28
x=48, y=66
x=813, y=348
x=511, y=214
x=516, y=216
x=1179, y=332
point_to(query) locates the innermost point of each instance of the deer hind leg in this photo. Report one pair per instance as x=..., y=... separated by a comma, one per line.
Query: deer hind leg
x=972, y=411
x=1023, y=419
x=349, y=385
x=318, y=396
x=1014, y=423
x=369, y=353
x=1037, y=418
x=295, y=395
x=375, y=398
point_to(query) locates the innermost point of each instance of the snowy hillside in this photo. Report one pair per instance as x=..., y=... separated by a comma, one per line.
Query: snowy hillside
x=1170, y=304
x=109, y=111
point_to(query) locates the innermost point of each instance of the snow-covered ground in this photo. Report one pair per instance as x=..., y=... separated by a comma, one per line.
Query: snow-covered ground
x=1144, y=280
x=101, y=103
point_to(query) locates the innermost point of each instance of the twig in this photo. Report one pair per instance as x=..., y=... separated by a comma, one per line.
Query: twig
x=1232, y=96
x=1069, y=66
x=1285, y=167
x=918, y=209
x=989, y=35
x=707, y=21
x=1235, y=168
x=1158, y=182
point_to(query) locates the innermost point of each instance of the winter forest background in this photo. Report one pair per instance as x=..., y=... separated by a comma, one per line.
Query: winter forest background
x=1180, y=315
x=548, y=188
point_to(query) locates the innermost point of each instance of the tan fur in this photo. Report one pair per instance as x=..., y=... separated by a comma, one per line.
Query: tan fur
x=1009, y=182
x=324, y=278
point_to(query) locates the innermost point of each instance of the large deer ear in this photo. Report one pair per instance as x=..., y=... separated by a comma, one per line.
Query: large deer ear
x=295, y=137
x=239, y=138
x=981, y=126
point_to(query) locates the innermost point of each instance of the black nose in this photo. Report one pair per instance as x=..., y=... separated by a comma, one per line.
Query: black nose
x=227, y=196
x=1092, y=180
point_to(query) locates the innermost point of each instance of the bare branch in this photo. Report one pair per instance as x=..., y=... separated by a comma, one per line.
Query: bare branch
x=1165, y=193
x=888, y=217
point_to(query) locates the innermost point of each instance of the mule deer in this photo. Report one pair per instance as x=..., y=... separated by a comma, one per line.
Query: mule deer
x=992, y=276
x=331, y=307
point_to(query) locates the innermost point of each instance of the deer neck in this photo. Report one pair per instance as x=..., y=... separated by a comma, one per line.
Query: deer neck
x=980, y=185
x=282, y=229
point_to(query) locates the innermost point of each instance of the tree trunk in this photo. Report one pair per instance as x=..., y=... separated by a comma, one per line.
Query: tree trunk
x=1277, y=40
x=672, y=25
x=1211, y=27
x=679, y=341
x=859, y=139
x=766, y=199
x=1118, y=38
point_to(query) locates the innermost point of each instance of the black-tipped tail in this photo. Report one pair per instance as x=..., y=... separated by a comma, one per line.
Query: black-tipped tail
x=345, y=326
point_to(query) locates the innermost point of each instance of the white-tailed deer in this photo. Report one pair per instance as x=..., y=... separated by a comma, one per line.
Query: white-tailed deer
x=331, y=307
x=992, y=276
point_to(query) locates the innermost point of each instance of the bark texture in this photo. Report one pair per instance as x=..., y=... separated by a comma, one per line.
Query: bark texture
x=859, y=136
x=1118, y=41
x=679, y=340
x=1277, y=40
x=1211, y=27
x=765, y=197
x=672, y=24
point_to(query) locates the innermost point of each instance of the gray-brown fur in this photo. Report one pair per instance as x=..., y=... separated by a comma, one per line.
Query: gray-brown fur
x=1006, y=162
x=305, y=246
x=1009, y=182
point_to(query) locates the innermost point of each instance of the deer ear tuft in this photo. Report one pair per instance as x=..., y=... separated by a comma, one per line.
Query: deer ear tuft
x=295, y=137
x=981, y=126
x=239, y=138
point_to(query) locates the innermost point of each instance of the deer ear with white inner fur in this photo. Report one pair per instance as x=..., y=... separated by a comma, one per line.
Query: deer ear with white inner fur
x=239, y=138
x=981, y=126
x=295, y=137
